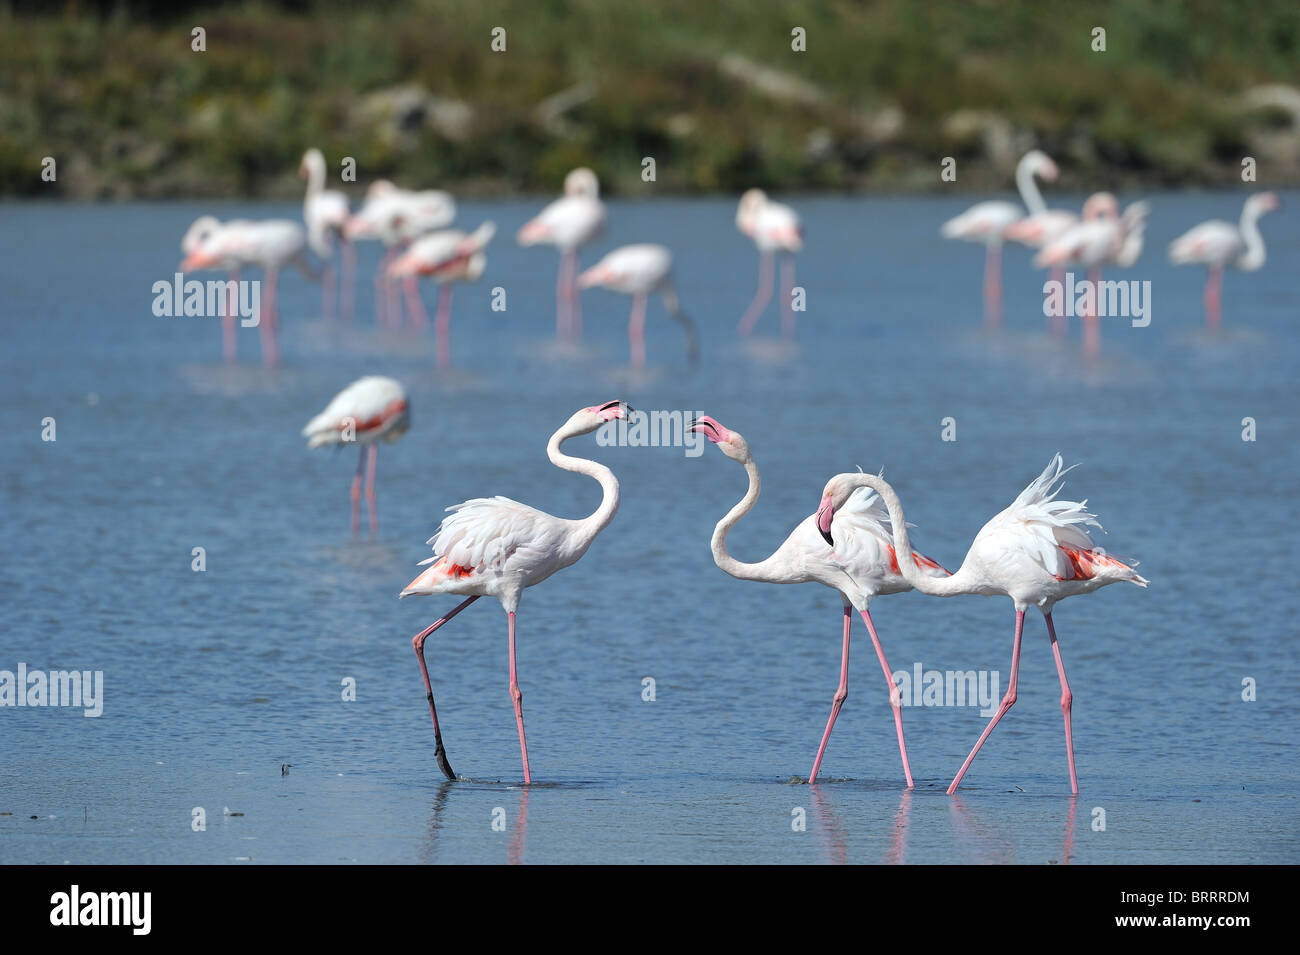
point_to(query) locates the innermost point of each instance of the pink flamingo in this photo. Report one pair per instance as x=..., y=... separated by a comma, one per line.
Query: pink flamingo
x=493, y=546
x=639, y=271
x=775, y=229
x=325, y=211
x=986, y=222
x=367, y=411
x=1037, y=552
x=395, y=217
x=270, y=245
x=861, y=566
x=1103, y=238
x=568, y=223
x=446, y=257
x=1218, y=244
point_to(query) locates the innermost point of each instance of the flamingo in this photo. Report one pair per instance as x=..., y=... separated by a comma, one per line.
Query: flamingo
x=1037, y=552
x=1218, y=244
x=861, y=566
x=367, y=411
x=493, y=546
x=1104, y=237
x=200, y=231
x=568, y=223
x=325, y=211
x=775, y=229
x=447, y=256
x=396, y=216
x=986, y=222
x=269, y=244
x=639, y=270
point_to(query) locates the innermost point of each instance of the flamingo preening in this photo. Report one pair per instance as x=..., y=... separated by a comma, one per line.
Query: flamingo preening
x=446, y=256
x=639, y=271
x=861, y=565
x=1104, y=237
x=493, y=546
x=325, y=211
x=776, y=230
x=1217, y=244
x=986, y=223
x=269, y=244
x=367, y=411
x=395, y=217
x=568, y=223
x=1037, y=552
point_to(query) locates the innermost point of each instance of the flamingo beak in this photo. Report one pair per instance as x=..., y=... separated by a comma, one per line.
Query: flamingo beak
x=825, y=515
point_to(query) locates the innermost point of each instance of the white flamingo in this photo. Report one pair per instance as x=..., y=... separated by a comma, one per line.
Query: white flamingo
x=862, y=565
x=776, y=230
x=986, y=223
x=1037, y=552
x=639, y=271
x=568, y=223
x=496, y=547
x=367, y=411
x=1217, y=244
x=396, y=216
x=200, y=232
x=446, y=256
x=268, y=244
x=325, y=211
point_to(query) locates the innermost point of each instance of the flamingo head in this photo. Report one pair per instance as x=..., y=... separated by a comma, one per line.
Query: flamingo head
x=751, y=204
x=582, y=182
x=1041, y=165
x=1101, y=205
x=1266, y=201
x=834, y=496
x=589, y=419
x=730, y=443
x=312, y=159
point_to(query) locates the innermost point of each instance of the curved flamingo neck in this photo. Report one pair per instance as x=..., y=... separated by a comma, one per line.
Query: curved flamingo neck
x=593, y=524
x=763, y=570
x=1029, y=193
x=1253, y=257
x=958, y=583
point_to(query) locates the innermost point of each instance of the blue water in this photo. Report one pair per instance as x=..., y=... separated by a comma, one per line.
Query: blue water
x=214, y=680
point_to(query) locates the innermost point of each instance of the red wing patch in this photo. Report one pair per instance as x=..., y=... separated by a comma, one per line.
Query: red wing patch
x=391, y=410
x=926, y=563
x=1084, y=565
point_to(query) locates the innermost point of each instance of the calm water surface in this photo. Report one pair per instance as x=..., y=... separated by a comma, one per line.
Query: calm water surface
x=214, y=680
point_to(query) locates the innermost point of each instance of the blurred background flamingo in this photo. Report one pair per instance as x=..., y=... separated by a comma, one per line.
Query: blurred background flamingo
x=776, y=230
x=1217, y=244
x=639, y=271
x=325, y=212
x=568, y=223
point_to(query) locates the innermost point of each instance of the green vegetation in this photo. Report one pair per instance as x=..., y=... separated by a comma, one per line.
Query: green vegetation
x=711, y=90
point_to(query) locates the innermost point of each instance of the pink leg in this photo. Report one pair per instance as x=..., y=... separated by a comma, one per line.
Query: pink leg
x=413, y=304
x=761, y=297
x=1008, y=701
x=787, y=289
x=269, y=320
x=993, y=285
x=841, y=694
x=636, y=330
x=356, y=493
x=1213, y=300
x=894, y=700
x=575, y=299
x=1067, y=701
x=518, y=697
x=1091, y=323
x=1058, y=322
x=348, y=253
x=370, y=490
x=442, y=327
x=418, y=643
x=229, y=306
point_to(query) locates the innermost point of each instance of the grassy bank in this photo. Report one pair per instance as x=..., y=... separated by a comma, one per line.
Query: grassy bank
x=712, y=91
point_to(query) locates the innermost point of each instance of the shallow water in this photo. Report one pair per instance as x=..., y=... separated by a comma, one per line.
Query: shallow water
x=214, y=680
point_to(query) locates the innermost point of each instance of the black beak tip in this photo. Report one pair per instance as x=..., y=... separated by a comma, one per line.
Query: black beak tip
x=826, y=536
